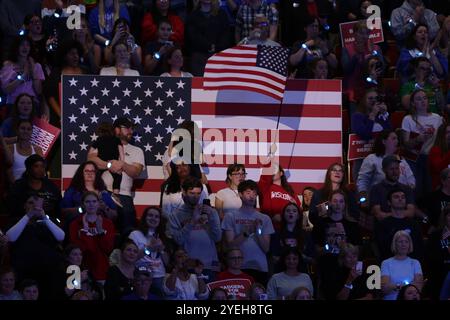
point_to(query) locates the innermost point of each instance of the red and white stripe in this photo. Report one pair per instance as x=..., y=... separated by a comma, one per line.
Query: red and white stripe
x=236, y=69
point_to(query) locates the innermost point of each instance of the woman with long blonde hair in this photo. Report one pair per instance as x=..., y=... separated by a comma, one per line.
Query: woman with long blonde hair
x=103, y=17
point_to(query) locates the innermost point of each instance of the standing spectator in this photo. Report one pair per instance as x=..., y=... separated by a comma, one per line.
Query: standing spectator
x=206, y=33
x=34, y=182
x=228, y=199
x=246, y=15
x=151, y=241
x=155, y=52
x=419, y=133
x=196, y=227
x=379, y=193
x=119, y=282
x=249, y=230
x=173, y=64
x=94, y=234
x=281, y=285
x=7, y=286
x=35, y=241
x=419, y=45
x=20, y=73
x=371, y=172
x=160, y=11
x=385, y=229
x=33, y=27
x=131, y=168
x=183, y=285
x=400, y=270
x=121, y=65
x=22, y=149
x=259, y=34
x=410, y=14
x=92, y=52
x=103, y=17
x=439, y=156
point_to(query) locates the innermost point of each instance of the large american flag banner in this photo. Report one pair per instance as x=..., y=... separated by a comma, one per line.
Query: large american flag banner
x=259, y=68
x=309, y=133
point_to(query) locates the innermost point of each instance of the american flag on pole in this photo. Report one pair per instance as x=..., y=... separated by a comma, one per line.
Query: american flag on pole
x=310, y=136
x=259, y=68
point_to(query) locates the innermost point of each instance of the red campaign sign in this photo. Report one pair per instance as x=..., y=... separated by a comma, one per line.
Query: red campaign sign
x=347, y=38
x=235, y=287
x=44, y=135
x=359, y=148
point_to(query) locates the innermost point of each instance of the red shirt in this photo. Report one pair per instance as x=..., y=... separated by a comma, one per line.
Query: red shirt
x=96, y=249
x=437, y=162
x=150, y=29
x=273, y=198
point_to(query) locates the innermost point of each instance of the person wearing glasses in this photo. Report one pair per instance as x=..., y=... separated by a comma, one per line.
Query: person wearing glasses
x=228, y=199
x=260, y=33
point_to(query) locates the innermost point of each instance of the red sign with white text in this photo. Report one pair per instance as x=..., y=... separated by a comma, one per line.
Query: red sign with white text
x=44, y=135
x=235, y=287
x=359, y=148
x=347, y=38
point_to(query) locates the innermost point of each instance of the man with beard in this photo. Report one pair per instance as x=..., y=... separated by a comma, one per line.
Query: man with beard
x=196, y=227
x=131, y=167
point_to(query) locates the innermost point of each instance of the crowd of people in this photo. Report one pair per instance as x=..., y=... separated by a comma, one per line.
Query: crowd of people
x=392, y=209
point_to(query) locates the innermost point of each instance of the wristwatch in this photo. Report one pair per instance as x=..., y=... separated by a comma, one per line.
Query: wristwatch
x=349, y=286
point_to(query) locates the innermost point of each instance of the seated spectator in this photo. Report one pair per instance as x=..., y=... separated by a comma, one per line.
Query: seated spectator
x=318, y=68
x=313, y=47
x=419, y=45
x=103, y=17
x=409, y=292
x=410, y=14
x=7, y=286
x=22, y=149
x=86, y=178
x=180, y=284
x=34, y=182
x=23, y=109
x=281, y=285
x=257, y=292
x=172, y=191
x=371, y=172
x=249, y=230
x=155, y=52
x=218, y=294
x=259, y=35
x=400, y=270
x=348, y=281
x=121, y=63
x=371, y=116
x=160, y=11
x=423, y=78
x=385, y=229
x=195, y=227
x=151, y=241
x=206, y=33
x=234, y=260
x=119, y=282
x=438, y=256
x=419, y=133
x=20, y=73
x=354, y=59
x=173, y=64
x=335, y=179
x=275, y=192
x=378, y=196
x=121, y=34
x=228, y=199
x=29, y=290
x=301, y=293
x=94, y=234
x=439, y=156
x=337, y=213
x=92, y=52
x=35, y=241
x=142, y=282
x=246, y=17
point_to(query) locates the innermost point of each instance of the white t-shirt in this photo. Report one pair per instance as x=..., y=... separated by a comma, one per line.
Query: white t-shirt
x=399, y=271
x=133, y=154
x=185, y=290
x=183, y=74
x=112, y=71
x=230, y=198
x=425, y=124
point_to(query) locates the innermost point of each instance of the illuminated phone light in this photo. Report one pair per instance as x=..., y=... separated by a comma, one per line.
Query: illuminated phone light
x=362, y=199
x=389, y=23
x=21, y=32
x=107, y=42
x=406, y=282
x=326, y=27
x=146, y=251
x=327, y=247
x=80, y=209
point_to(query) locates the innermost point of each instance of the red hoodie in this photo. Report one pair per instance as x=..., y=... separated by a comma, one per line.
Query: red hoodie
x=96, y=249
x=150, y=29
x=273, y=198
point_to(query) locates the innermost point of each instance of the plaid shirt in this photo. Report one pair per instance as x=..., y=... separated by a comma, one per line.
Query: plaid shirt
x=246, y=16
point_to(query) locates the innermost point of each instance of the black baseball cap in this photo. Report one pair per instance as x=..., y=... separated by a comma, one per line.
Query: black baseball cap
x=123, y=122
